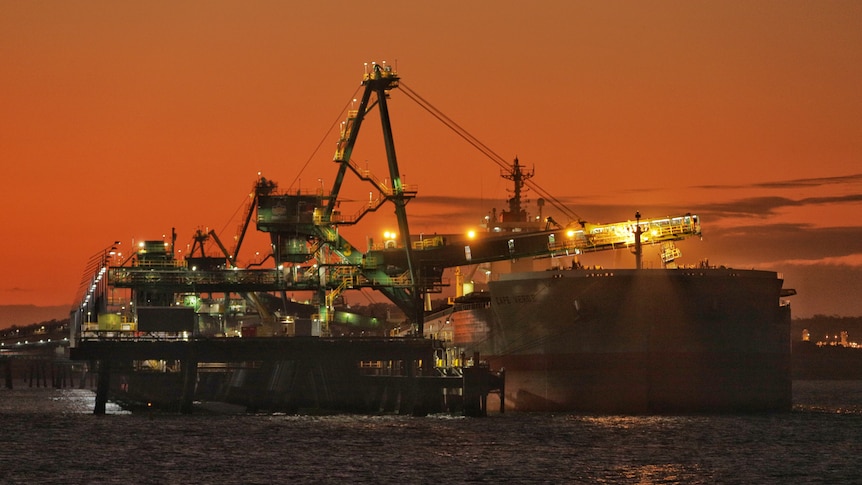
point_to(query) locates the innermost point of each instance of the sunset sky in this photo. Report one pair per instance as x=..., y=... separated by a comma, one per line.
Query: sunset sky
x=121, y=120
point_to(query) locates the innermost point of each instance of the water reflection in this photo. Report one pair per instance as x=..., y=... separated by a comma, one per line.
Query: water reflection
x=52, y=401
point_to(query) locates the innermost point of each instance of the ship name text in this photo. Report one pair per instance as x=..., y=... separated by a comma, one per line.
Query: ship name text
x=511, y=299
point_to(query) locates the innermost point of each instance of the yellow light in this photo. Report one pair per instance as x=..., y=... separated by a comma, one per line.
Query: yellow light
x=471, y=234
x=570, y=233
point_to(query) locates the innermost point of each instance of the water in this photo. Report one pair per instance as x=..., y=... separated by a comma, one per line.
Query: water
x=50, y=436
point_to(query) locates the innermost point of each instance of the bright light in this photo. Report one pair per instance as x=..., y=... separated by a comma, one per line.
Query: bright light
x=390, y=235
x=471, y=234
x=570, y=233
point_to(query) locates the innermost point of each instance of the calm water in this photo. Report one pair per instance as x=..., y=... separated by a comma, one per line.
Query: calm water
x=49, y=436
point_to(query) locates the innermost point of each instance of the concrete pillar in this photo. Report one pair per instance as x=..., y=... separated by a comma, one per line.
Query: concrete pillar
x=190, y=377
x=102, y=386
x=8, y=365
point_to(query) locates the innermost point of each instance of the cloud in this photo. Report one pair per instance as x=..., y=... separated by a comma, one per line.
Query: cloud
x=16, y=289
x=765, y=206
x=779, y=243
x=812, y=182
x=751, y=206
x=795, y=183
x=831, y=200
x=851, y=260
x=745, y=207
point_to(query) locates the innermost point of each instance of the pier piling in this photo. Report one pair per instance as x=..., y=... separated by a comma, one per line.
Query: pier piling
x=104, y=381
x=7, y=364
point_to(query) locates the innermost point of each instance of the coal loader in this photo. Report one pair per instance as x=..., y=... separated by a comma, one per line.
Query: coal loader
x=561, y=338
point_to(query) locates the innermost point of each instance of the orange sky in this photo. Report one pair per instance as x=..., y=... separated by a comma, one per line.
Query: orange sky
x=120, y=120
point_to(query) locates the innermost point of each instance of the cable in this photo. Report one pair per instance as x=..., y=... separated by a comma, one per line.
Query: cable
x=484, y=149
x=242, y=204
x=325, y=137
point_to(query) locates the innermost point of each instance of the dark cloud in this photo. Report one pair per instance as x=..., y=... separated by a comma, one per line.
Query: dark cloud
x=786, y=184
x=812, y=182
x=16, y=289
x=426, y=200
x=766, y=206
x=750, y=207
x=831, y=200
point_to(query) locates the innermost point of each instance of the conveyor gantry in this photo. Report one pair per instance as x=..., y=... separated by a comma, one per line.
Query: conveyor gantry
x=386, y=267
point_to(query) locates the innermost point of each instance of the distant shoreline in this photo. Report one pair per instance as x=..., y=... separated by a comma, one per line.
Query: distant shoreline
x=22, y=315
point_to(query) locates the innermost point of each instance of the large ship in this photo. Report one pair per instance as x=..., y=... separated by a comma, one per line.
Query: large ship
x=674, y=339
x=648, y=340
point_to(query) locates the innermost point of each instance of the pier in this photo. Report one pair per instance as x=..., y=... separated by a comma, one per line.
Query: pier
x=368, y=375
x=37, y=356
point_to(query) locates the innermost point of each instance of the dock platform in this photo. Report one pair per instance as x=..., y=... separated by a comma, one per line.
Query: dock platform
x=289, y=373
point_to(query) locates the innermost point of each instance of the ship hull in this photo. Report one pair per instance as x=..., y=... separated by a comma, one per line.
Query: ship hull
x=641, y=341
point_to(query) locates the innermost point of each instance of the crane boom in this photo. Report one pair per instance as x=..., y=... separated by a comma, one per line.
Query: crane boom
x=451, y=251
x=594, y=237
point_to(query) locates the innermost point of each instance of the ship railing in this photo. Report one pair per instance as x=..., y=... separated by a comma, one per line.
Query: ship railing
x=420, y=244
x=143, y=276
x=315, y=191
x=402, y=279
x=623, y=233
x=133, y=336
x=670, y=229
x=428, y=242
x=310, y=272
x=380, y=71
x=346, y=129
x=383, y=186
x=346, y=282
x=339, y=218
x=159, y=263
x=365, y=174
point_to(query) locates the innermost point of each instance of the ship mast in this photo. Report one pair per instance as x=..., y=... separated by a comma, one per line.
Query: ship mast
x=519, y=177
x=638, y=246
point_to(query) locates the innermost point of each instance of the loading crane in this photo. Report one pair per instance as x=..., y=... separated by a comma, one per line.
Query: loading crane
x=310, y=254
